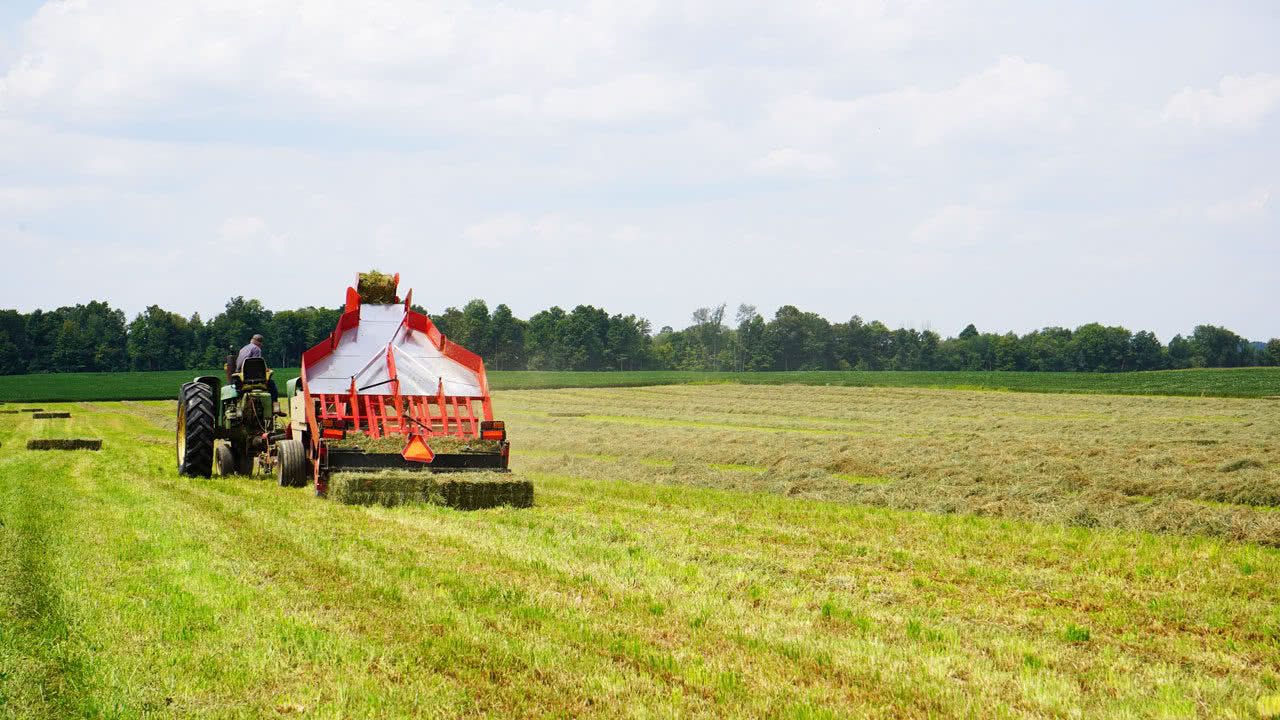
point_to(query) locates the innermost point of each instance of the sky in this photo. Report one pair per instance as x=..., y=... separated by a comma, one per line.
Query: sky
x=928, y=164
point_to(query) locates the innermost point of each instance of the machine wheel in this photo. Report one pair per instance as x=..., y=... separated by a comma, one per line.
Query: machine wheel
x=195, y=430
x=225, y=460
x=244, y=461
x=291, y=467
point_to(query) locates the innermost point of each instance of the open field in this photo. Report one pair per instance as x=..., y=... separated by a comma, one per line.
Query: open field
x=1241, y=382
x=1204, y=465
x=722, y=550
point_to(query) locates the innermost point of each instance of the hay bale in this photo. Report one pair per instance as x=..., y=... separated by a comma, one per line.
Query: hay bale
x=32, y=409
x=462, y=445
x=50, y=415
x=443, y=445
x=10, y=412
x=463, y=490
x=360, y=441
x=376, y=288
x=64, y=444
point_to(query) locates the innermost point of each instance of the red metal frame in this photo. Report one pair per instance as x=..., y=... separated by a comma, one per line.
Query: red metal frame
x=392, y=413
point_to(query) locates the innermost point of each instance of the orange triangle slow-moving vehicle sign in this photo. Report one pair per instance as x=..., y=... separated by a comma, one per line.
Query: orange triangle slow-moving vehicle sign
x=417, y=450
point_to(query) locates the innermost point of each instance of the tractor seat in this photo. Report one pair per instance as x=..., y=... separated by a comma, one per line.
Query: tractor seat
x=254, y=374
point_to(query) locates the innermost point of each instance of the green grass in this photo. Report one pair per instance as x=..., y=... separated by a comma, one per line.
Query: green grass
x=1240, y=382
x=126, y=592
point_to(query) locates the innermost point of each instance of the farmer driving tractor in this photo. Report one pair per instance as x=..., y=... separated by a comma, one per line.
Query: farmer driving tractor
x=254, y=350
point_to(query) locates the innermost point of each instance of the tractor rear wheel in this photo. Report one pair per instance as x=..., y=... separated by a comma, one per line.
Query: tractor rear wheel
x=291, y=467
x=225, y=460
x=195, y=430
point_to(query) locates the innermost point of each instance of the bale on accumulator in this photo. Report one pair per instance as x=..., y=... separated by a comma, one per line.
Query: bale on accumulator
x=440, y=445
x=376, y=288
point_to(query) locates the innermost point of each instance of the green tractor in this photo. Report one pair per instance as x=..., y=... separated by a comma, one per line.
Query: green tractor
x=233, y=428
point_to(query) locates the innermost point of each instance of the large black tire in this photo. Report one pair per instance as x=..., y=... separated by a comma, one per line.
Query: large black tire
x=225, y=460
x=195, y=430
x=292, y=466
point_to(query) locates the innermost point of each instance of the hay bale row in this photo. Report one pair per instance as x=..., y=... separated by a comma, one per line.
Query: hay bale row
x=376, y=288
x=50, y=415
x=10, y=412
x=464, y=491
x=64, y=444
x=32, y=409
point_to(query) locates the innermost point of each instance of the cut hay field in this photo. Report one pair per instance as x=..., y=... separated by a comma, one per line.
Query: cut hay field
x=1237, y=382
x=711, y=550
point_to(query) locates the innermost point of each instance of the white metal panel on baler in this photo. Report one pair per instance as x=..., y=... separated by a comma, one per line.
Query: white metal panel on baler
x=362, y=354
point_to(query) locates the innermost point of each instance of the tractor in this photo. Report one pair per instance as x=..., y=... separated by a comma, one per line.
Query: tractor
x=380, y=406
x=233, y=427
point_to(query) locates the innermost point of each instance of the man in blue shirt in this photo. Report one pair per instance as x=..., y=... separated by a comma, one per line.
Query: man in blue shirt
x=254, y=350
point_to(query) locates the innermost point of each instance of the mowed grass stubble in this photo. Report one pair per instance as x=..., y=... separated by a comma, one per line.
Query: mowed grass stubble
x=126, y=591
x=1181, y=465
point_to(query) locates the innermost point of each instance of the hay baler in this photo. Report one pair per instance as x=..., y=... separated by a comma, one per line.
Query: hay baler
x=386, y=391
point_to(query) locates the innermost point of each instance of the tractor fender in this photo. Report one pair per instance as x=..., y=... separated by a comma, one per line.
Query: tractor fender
x=215, y=384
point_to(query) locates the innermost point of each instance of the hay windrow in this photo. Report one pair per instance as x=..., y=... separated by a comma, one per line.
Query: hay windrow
x=64, y=444
x=1241, y=464
x=463, y=490
x=376, y=288
x=50, y=415
x=1187, y=466
x=443, y=445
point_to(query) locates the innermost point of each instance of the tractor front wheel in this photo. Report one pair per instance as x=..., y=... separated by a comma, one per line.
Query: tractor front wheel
x=225, y=460
x=291, y=465
x=195, y=430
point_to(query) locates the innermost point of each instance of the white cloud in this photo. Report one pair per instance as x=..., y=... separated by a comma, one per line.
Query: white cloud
x=954, y=226
x=787, y=161
x=549, y=233
x=1013, y=94
x=1239, y=103
x=248, y=236
x=123, y=58
x=634, y=97
x=1255, y=204
x=497, y=232
x=22, y=200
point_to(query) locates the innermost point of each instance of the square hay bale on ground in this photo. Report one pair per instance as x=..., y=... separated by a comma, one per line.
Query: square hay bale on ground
x=461, y=490
x=50, y=415
x=64, y=444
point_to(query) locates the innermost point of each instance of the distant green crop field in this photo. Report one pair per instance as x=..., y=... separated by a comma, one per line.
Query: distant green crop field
x=1239, y=382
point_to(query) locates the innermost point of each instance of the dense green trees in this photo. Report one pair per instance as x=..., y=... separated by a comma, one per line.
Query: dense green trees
x=95, y=337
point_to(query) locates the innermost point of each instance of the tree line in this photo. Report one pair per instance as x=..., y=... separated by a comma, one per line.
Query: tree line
x=97, y=337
